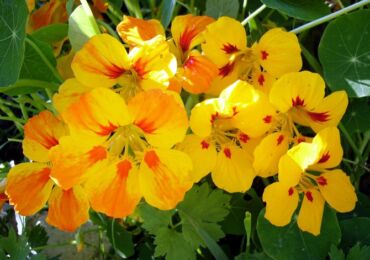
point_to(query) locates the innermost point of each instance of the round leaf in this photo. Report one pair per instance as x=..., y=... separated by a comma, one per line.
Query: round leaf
x=344, y=52
x=289, y=241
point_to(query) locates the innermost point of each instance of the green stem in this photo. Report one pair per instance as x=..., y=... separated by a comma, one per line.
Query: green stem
x=254, y=14
x=54, y=245
x=329, y=17
x=350, y=141
x=314, y=63
x=108, y=28
x=45, y=60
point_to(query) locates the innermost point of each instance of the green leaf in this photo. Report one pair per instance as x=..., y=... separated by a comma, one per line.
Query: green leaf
x=218, y=8
x=132, y=6
x=37, y=236
x=204, y=208
x=286, y=242
x=82, y=26
x=172, y=244
x=16, y=247
x=233, y=223
x=51, y=33
x=357, y=115
x=357, y=252
x=154, y=219
x=13, y=19
x=120, y=239
x=355, y=230
x=301, y=9
x=34, y=65
x=344, y=52
x=336, y=253
x=167, y=10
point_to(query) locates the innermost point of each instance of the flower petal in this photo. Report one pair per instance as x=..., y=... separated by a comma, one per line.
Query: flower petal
x=135, y=31
x=335, y=186
x=68, y=209
x=41, y=133
x=201, y=117
x=102, y=59
x=281, y=202
x=278, y=47
x=311, y=212
x=233, y=171
x=28, y=187
x=160, y=115
x=165, y=177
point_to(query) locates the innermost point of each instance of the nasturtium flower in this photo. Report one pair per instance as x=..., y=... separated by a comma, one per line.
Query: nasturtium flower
x=302, y=96
x=223, y=128
x=225, y=43
x=307, y=169
x=30, y=186
x=104, y=60
x=125, y=139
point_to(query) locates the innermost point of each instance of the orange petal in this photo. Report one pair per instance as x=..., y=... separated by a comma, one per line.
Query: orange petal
x=99, y=112
x=160, y=115
x=71, y=161
x=41, y=133
x=68, y=209
x=28, y=187
x=114, y=189
x=103, y=59
x=186, y=30
x=164, y=177
x=197, y=73
x=134, y=31
x=51, y=12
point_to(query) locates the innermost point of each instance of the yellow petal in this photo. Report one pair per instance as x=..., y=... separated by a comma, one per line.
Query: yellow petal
x=281, y=202
x=64, y=65
x=262, y=81
x=224, y=38
x=68, y=209
x=202, y=115
x=233, y=171
x=328, y=112
x=68, y=93
x=303, y=90
x=165, y=177
x=71, y=160
x=311, y=212
x=28, y=187
x=330, y=149
x=227, y=75
x=99, y=111
x=41, y=133
x=335, y=186
x=186, y=30
x=202, y=153
x=268, y=153
x=103, y=59
x=135, y=31
x=114, y=188
x=160, y=115
x=278, y=47
x=296, y=161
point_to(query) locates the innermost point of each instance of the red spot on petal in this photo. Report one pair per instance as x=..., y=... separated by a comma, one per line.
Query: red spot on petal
x=227, y=153
x=190, y=62
x=280, y=139
x=229, y=48
x=322, y=181
x=267, y=119
x=139, y=67
x=324, y=158
x=151, y=159
x=147, y=126
x=301, y=139
x=96, y=154
x=264, y=55
x=123, y=168
x=186, y=37
x=244, y=138
x=297, y=102
x=290, y=191
x=226, y=70
x=214, y=117
x=235, y=111
x=309, y=196
x=204, y=144
x=261, y=80
x=107, y=130
x=319, y=117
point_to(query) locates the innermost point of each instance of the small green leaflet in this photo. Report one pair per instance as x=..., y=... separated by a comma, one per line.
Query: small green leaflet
x=13, y=19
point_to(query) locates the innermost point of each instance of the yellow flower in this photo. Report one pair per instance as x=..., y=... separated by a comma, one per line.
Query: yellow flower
x=298, y=174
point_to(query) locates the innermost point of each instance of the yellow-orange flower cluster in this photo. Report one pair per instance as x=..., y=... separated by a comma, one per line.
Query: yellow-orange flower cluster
x=120, y=132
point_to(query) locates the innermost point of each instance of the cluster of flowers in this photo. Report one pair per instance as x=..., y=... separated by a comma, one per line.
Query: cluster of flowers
x=120, y=130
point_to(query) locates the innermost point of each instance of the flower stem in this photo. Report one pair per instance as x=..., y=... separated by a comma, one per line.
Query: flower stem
x=329, y=17
x=254, y=14
x=350, y=141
